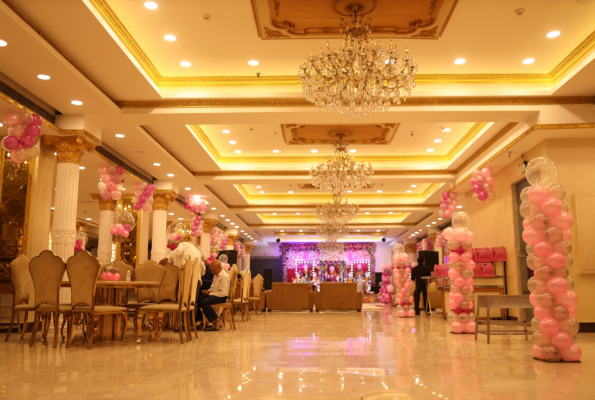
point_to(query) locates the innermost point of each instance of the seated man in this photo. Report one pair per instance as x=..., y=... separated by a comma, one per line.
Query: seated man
x=217, y=294
x=207, y=278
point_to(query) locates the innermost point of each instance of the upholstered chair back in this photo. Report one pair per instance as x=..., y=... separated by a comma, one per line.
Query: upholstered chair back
x=233, y=282
x=185, y=280
x=124, y=268
x=24, y=293
x=196, y=278
x=257, y=283
x=246, y=281
x=47, y=271
x=149, y=271
x=83, y=270
x=169, y=285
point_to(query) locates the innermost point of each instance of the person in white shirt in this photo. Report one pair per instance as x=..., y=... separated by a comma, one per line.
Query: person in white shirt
x=360, y=283
x=177, y=256
x=217, y=294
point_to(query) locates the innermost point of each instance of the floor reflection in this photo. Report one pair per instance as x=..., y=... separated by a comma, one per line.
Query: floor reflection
x=369, y=355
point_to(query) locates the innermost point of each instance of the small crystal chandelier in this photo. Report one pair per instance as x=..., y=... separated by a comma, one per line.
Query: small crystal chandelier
x=341, y=173
x=337, y=211
x=361, y=77
x=330, y=247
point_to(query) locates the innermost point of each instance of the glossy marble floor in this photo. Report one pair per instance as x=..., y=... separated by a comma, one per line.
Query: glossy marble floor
x=331, y=355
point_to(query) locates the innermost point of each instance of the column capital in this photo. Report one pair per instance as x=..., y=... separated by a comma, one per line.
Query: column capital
x=432, y=237
x=411, y=248
x=80, y=226
x=109, y=204
x=163, y=198
x=249, y=248
x=209, y=224
x=231, y=239
x=69, y=149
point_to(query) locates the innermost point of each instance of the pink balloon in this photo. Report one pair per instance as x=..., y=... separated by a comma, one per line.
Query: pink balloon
x=533, y=299
x=453, y=274
x=551, y=206
x=548, y=325
x=10, y=143
x=532, y=236
x=466, y=257
x=454, y=258
x=104, y=276
x=120, y=230
x=33, y=130
x=106, y=195
x=567, y=235
x=37, y=120
x=115, y=194
x=11, y=119
x=555, y=260
x=536, y=350
x=447, y=214
x=401, y=313
x=110, y=186
x=567, y=299
x=470, y=236
x=541, y=313
x=456, y=297
x=27, y=141
x=562, y=340
x=456, y=327
x=537, y=194
x=126, y=234
x=542, y=248
x=573, y=353
x=539, y=221
x=453, y=304
x=526, y=223
x=460, y=235
x=483, y=196
x=16, y=131
x=137, y=206
x=459, y=282
x=572, y=312
x=563, y=220
x=469, y=327
x=106, y=178
x=119, y=170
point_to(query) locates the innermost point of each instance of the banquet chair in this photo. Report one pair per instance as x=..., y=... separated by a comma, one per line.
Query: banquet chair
x=227, y=307
x=169, y=285
x=23, y=299
x=124, y=267
x=185, y=279
x=242, y=302
x=257, y=283
x=148, y=271
x=83, y=271
x=47, y=272
x=196, y=283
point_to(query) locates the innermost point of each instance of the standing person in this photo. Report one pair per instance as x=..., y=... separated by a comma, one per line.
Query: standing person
x=177, y=256
x=417, y=273
x=217, y=294
x=360, y=283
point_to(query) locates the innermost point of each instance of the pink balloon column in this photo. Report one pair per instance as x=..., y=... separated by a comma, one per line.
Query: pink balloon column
x=23, y=130
x=547, y=233
x=448, y=204
x=143, y=196
x=482, y=183
x=120, y=232
x=403, y=284
x=80, y=241
x=240, y=248
x=197, y=226
x=386, y=289
x=111, y=182
x=461, y=266
x=195, y=204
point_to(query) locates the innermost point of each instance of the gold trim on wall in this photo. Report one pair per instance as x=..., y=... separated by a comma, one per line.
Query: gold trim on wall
x=307, y=173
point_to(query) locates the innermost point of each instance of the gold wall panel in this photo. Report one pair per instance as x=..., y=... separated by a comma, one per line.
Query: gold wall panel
x=329, y=134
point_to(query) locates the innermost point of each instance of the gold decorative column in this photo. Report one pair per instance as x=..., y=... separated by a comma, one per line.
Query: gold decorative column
x=106, y=217
x=162, y=199
x=69, y=151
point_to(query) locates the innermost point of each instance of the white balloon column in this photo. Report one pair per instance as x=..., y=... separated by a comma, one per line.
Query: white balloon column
x=402, y=279
x=547, y=233
x=461, y=266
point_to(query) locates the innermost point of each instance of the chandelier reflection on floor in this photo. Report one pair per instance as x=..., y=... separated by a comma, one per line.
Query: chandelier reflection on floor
x=362, y=76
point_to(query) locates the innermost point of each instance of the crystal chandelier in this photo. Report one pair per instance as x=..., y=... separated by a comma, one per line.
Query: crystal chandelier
x=341, y=212
x=330, y=247
x=361, y=77
x=341, y=173
x=331, y=231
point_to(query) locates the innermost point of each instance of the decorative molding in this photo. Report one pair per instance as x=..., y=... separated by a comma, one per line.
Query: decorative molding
x=104, y=205
x=70, y=149
x=61, y=234
x=273, y=34
x=307, y=173
x=313, y=206
x=249, y=248
x=379, y=134
x=208, y=225
x=310, y=225
x=162, y=198
x=427, y=33
x=411, y=248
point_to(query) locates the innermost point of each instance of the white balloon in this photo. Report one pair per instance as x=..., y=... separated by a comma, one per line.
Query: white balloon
x=101, y=186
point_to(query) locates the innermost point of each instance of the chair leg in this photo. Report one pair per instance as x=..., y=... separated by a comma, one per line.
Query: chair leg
x=192, y=318
x=56, y=325
x=180, y=330
x=24, y=329
x=135, y=321
x=232, y=323
x=44, y=327
x=35, y=327
x=69, y=330
x=62, y=329
x=10, y=326
x=187, y=326
x=488, y=311
x=125, y=330
x=138, y=326
x=91, y=333
x=476, y=322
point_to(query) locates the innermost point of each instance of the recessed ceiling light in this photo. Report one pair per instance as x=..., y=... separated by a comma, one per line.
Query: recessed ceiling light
x=185, y=64
x=232, y=142
x=437, y=140
x=157, y=164
x=256, y=241
x=291, y=191
x=353, y=151
x=446, y=129
x=379, y=191
x=43, y=77
x=120, y=136
x=460, y=61
x=313, y=151
x=358, y=230
x=151, y=5
x=76, y=102
x=242, y=231
x=430, y=150
x=390, y=212
x=53, y=208
x=274, y=213
x=170, y=38
x=409, y=191
x=1, y=124
x=188, y=188
x=88, y=219
x=254, y=63
x=261, y=192
x=439, y=219
x=297, y=213
x=180, y=218
x=350, y=191
x=225, y=131
x=528, y=61
x=227, y=220
x=3, y=43
x=170, y=213
x=301, y=230
x=428, y=225
x=170, y=175
x=553, y=34
x=367, y=212
x=213, y=208
x=81, y=167
x=413, y=186
x=238, y=151
x=459, y=206
x=222, y=216
x=275, y=151
x=377, y=230
x=258, y=187
x=434, y=223
x=282, y=230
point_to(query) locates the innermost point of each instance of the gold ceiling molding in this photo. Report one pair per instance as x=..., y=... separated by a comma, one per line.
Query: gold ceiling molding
x=309, y=232
x=320, y=19
x=472, y=134
x=295, y=134
x=309, y=186
x=104, y=11
x=362, y=206
x=69, y=149
x=390, y=225
x=505, y=148
x=411, y=101
x=439, y=172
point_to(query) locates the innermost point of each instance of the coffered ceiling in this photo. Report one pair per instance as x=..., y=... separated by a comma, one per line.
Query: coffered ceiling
x=112, y=56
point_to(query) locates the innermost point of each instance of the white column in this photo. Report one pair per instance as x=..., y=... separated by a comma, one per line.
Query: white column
x=411, y=248
x=162, y=199
x=249, y=248
x=106, y=217
x=205, y=239
x=143, y=237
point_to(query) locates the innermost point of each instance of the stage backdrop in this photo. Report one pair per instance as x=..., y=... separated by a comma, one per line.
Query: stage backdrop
x=299, y=255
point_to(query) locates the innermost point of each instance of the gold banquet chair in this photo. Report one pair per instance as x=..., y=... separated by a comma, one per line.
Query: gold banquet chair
x=185, y=279
x=242, y=302
x=257, y=283
x=23, y=299
x=83, y=271
x=149, y=271
x=196, y=283
x=47, y=272
x=227, y=308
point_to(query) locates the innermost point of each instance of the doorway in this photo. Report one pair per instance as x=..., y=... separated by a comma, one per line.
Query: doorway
x=526, y=273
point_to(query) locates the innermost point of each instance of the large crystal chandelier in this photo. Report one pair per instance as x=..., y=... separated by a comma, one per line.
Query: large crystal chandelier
x=337, y=211
x=341, y=173
x=362, y=76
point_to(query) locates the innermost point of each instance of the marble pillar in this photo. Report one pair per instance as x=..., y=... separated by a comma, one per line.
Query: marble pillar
x=411, y=248
x=159, y=237
x=249, y=248
x=205, y=239
x=106, y=221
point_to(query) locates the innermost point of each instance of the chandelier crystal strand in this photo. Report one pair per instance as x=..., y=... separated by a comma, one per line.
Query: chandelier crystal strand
x=361, y=77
